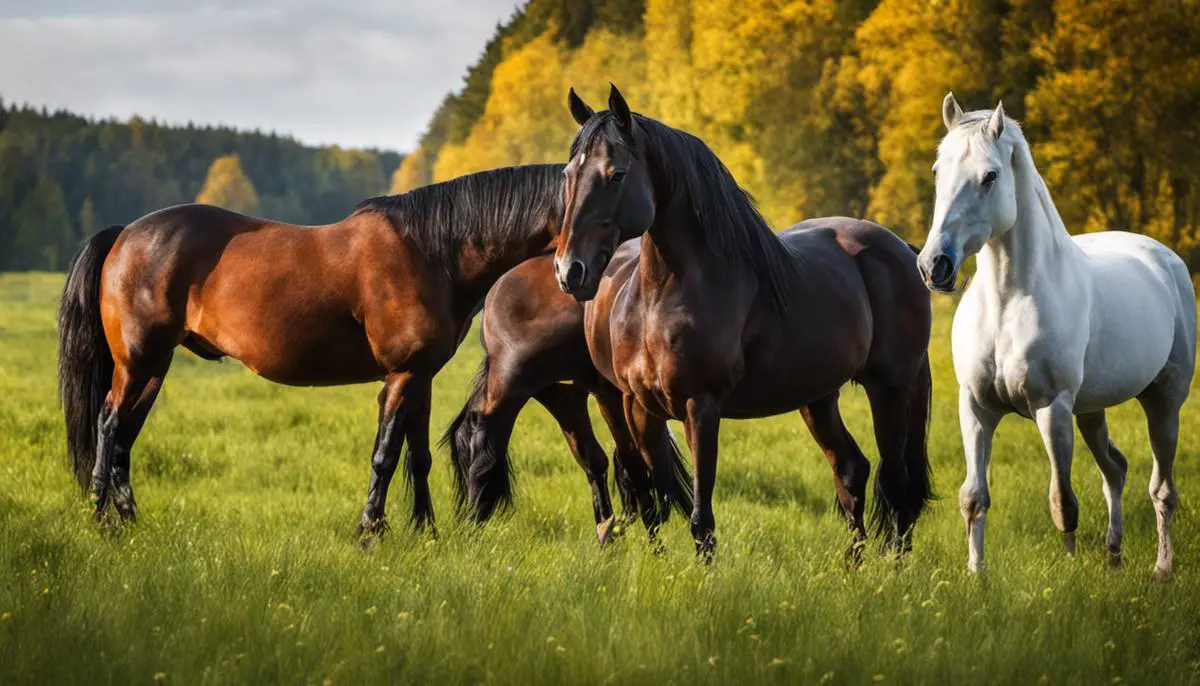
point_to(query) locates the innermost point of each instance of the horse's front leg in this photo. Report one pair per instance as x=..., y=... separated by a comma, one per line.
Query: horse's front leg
x=703, y=429
x=1054, y=421
x=978, y=425
x=648, y=432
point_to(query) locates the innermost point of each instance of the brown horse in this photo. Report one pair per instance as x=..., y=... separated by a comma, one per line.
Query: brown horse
x=720, y=317
x=386, y=294
x=534, y=348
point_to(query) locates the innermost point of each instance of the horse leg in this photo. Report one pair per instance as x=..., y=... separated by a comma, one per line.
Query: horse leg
x=649, y=431
x=1162, y=419
x=850, y=467
x=118, y=425
x=895, y=514
x=417, y=459
x=1058, y=433
x=635, y=485
x=568, y=404
x=1113, y=465
x=978, y=425
x=386, y=455
x=127, y=432
x=703, y=430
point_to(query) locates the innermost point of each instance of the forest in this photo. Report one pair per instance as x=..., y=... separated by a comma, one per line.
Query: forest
x=819, y=107
x=832, y=107
x=64, y=176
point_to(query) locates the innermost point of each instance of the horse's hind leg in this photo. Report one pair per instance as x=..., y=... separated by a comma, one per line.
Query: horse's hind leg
x=417, y=459
x=1162, y=419
x=1054, y=422
x=851, y=469
x=385, y=456
x=127, y=433
x=889, y=412
x=1113, y=465
x=568, y=404
x=135, y=384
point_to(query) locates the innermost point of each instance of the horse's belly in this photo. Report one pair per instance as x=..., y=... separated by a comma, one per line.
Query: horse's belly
x=312, y=349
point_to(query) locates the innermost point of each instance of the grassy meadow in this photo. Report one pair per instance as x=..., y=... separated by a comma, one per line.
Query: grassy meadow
x=243, y=567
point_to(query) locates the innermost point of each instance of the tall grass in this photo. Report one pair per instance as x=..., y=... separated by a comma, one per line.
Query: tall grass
x=243, y=568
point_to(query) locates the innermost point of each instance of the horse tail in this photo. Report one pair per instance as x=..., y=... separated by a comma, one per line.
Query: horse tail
x=85, y=364
x=683, y=478
x=460, y=435
x=623, y=482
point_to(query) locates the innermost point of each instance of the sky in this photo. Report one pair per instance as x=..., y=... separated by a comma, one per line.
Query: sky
x=360, y=73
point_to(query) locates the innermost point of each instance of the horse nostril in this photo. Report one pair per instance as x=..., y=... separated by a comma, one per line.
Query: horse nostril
x=942, y=272
x=575, y=276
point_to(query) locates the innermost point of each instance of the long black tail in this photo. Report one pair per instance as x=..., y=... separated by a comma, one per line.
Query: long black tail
x=683, y=495
x=461, y=435
x=85, y=364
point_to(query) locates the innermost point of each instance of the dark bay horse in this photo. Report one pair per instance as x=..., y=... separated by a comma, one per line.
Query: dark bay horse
x=386, y=294
x=534, y=348
x=720, y=317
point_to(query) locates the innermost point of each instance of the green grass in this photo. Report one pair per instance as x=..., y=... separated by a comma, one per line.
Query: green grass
x=243, y=567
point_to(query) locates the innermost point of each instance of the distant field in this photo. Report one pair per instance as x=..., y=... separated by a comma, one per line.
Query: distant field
x=243, y=568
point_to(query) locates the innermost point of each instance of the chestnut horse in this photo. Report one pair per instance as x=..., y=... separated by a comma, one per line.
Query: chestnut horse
x=386, y=294
x=720, y=317
x=534, y=348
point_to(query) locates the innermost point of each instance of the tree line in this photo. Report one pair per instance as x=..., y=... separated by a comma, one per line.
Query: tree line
x=63, y=176
x=826, y=107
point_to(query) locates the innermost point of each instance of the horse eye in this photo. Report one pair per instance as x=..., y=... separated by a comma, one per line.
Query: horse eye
x=989, y=178
x=617, y=176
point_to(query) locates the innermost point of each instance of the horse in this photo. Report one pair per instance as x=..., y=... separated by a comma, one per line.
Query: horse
x=1053, y=326
x=386, y=294
x=534, y=348
x=719, y=317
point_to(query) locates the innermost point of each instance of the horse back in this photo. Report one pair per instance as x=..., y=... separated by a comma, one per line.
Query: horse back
x=1143, y=314
x=292, y=303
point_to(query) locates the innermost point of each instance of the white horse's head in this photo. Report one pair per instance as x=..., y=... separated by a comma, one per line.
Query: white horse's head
x=976, y=193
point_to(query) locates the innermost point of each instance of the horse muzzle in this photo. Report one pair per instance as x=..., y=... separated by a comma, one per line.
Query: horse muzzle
x=938, y=273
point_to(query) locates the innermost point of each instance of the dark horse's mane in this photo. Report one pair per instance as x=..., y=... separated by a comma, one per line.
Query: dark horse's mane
x=494, y=207
x=697, y=179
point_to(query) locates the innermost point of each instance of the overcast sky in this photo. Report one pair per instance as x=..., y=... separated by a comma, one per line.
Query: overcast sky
x=364, y=73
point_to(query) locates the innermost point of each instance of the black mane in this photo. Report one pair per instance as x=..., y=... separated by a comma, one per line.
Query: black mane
x=495, y=207
x=697, y=179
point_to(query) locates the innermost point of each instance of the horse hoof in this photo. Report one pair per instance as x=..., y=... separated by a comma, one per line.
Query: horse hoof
x=1069, y=544
x=1162, y=574
x=370, y=531
x=605, y=530
x=1115, y=561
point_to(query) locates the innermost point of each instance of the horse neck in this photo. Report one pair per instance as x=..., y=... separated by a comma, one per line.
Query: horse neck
x=674, y=245
x=1038, y=242
x=478, y=268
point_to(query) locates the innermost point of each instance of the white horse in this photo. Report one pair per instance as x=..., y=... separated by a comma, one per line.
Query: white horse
x=1054, y=326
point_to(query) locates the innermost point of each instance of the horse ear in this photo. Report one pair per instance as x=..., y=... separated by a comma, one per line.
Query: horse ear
x=579, y=108
x=995, y=125
x=951, y=112
x=620, y=108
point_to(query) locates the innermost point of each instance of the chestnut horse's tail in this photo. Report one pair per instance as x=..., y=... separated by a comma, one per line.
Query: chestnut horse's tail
x=85, y=364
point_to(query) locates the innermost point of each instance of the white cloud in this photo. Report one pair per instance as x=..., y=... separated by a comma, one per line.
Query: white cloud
x=360, y=73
